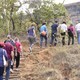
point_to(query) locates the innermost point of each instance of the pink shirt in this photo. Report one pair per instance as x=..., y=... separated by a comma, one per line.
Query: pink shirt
x=18, y=46
x=72, y=29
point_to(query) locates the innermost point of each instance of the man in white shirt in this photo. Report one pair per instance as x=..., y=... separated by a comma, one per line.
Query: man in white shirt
x=63, y=29
x=77, y=27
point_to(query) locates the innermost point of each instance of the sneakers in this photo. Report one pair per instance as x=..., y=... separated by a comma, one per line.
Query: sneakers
x=11, y=71
x=17, y=69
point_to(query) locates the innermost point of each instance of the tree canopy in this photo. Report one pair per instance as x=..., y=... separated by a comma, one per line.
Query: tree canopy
x=37, y=11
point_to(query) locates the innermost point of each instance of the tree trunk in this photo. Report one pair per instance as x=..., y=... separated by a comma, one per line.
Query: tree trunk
x=11, y=18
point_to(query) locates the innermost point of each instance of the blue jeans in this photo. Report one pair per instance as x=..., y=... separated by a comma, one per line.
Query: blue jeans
x=8, y=70
x=78, y=36
x=41, y=40
x=1, y=73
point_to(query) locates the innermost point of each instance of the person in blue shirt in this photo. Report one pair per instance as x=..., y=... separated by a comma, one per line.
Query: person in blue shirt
x=2, y=52
x=54, y=33
x=43, y=34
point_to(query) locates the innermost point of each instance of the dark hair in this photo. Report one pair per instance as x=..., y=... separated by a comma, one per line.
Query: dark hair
x=64, y=22
x=56, y=21
x=71, y=24
x=43, y=23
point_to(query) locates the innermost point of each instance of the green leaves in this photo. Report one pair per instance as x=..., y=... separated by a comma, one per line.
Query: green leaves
x=49, y=12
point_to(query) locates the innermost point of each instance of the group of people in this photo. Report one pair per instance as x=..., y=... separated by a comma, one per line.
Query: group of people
x=11, y=50
x=56, y=29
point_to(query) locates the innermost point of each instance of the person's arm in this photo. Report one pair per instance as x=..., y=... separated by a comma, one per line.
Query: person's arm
x=12, y=54
x=34, y=32
x=5, y=54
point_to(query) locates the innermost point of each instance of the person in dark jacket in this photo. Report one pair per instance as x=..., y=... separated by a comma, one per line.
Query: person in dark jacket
x=54, y=33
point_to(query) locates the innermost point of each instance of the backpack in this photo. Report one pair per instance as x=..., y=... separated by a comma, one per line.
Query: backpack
x=70, y=32
x=43, y=33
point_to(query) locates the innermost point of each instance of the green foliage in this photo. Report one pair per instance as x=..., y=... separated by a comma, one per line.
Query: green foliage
x=49, y=12
x=43, y=10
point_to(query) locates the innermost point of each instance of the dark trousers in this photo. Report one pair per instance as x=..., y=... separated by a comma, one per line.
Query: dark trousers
x=53, y=39
x=41, y=40
x=17, y=58
x=1, y=73
x=63, y=38
x=69, y=39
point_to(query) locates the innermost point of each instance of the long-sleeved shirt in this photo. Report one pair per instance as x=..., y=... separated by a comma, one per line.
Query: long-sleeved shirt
x=2, y=52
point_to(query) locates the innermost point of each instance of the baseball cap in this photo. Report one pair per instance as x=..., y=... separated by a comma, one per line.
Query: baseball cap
x=2, y=44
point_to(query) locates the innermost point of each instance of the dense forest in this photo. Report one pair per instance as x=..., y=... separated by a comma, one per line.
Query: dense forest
x=15, y=21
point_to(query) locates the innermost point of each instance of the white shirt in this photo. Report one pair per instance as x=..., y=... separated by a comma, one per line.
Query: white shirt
x=77, y=27
x=63, y=27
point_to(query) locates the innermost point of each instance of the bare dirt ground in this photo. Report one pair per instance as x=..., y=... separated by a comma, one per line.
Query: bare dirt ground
x=52, y=63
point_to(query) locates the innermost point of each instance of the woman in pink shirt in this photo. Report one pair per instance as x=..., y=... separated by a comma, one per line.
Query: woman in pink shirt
x=71, y=33
x=18, y=51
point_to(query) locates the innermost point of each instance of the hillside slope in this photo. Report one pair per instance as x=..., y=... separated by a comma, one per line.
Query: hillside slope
x=53, y=63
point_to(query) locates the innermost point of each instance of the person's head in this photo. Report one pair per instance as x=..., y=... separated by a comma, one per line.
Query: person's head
x=33, y=24
x=56, y=21
x=16, y=39
x=71, y=24
x=64, y=22
x=8, y=36
x=2, y=44
x=43, y=23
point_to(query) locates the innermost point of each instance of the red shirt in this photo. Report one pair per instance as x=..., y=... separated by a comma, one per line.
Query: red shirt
x=18, y=46
x=9, y=48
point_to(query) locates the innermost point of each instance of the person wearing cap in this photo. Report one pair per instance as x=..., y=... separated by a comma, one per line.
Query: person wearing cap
x=2, y=52
x=12, y=42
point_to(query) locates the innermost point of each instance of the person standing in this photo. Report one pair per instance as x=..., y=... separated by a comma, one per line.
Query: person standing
x=63, y=30
x=31, y=36
x=18, y=52
x=43, y=34
x=77, y=27
x=10, y=52
x=71, y=33
x=2, y=52
x=12, y=42
x=54, y=33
